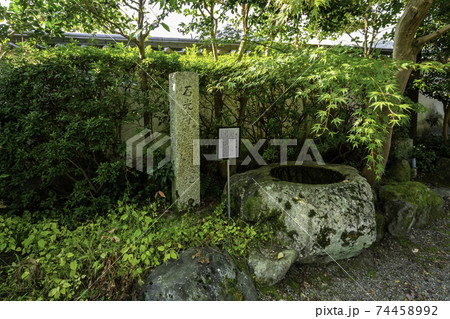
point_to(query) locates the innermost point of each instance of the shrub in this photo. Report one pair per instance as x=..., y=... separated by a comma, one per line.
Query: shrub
x=428, y=149
x=61, y=115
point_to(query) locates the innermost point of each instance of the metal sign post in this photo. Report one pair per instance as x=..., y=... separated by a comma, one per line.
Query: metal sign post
x=228, y=149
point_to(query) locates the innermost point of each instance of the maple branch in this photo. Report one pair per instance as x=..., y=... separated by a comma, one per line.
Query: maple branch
x=432, y=36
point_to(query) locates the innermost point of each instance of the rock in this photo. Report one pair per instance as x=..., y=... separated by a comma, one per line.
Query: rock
x=202, y=274
x=270, y=268
x=443, y=169
x=324, y=212
x=400, y=171
x=407, y=205
x=443, y=192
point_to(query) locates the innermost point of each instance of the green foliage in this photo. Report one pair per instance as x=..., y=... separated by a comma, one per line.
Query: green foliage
x=65, y=107
x=428, y=149
x=435, y=82
x=103, y=258
x=60, y=121
x=134, y=23
x=364, y=21
x=336, y=92
x=40, y=19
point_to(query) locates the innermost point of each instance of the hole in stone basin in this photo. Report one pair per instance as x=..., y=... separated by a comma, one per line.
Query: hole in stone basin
x=307, y=175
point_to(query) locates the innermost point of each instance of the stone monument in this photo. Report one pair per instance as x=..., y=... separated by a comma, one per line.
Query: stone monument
x=184, y=129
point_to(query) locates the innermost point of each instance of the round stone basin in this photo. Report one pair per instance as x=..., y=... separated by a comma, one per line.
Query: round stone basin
x=324, y=212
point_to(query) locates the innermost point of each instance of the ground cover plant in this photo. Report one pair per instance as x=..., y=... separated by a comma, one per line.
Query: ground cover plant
x=101, y=259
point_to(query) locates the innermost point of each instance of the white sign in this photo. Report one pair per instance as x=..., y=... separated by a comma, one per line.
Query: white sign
x=229, y=142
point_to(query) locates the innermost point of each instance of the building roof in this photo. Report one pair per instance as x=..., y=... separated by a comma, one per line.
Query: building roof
x=170, y=44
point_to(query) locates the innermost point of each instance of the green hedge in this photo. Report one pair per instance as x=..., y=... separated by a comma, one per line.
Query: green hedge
x=60, y=115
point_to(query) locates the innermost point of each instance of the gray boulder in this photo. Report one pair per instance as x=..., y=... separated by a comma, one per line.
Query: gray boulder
x=443, y=192
x=270, y=267
x=324, y=212
x=407, y=205
x=202, y=274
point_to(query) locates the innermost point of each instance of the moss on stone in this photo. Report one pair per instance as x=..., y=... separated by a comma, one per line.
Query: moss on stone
x=324, y=238
x=415, y=193
x=252, y=208
x=349, y=238
x=312, y=213
x=271, y=291
x=409, y=204
x=231, y=290
x=287, y=205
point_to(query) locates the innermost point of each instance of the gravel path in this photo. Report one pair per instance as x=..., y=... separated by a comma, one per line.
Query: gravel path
x=416, y=268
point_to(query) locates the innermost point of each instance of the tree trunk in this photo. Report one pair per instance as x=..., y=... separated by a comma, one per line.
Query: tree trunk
x=213, y=32
x=144, y=87
x=413, y=94
x=406, y=47
x=242, y=45
x=243, y=100
x=218, y=105
x=215, y=51
x=272, y=37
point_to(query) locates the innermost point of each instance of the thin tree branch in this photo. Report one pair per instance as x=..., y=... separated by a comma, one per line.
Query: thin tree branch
x=130, y=6
x=84, y=174
x=118, y=29
x=432, y=36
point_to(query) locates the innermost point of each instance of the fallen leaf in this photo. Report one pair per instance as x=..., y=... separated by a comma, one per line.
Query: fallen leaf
x=112, y=230
x=198, y=254
x=280, y=255
x=161, y=194
x=115, y=239
x=415, y=250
